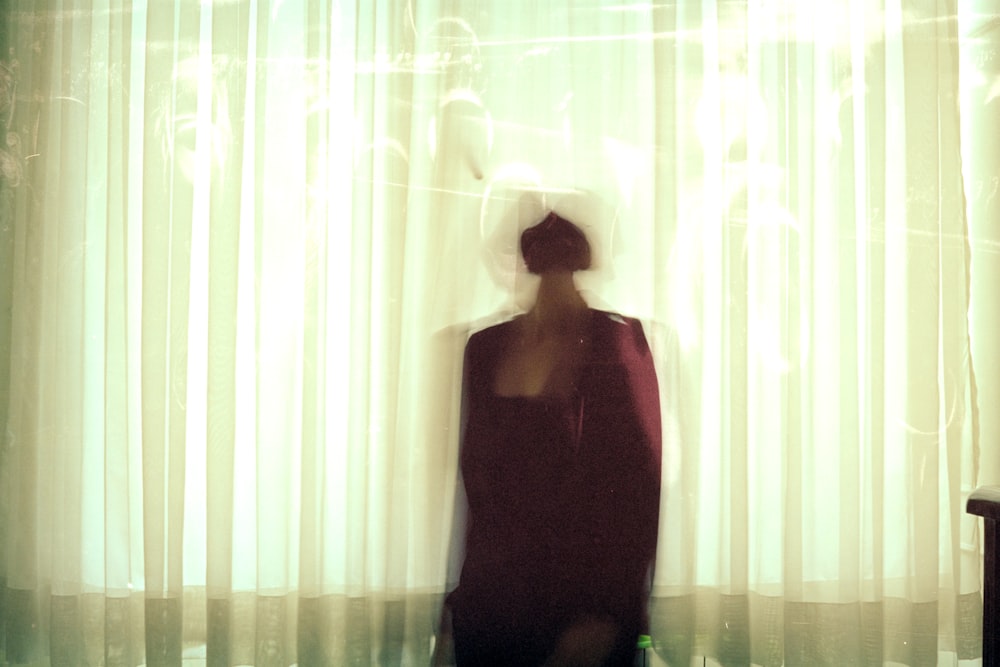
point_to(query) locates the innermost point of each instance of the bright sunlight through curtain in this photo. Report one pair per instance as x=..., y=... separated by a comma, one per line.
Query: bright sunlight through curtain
x=243, y=242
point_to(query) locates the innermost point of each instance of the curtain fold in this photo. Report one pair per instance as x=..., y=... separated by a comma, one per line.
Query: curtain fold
x=242, y=245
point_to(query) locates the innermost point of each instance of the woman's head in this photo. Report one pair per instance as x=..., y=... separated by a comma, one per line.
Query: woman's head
x=555, y=245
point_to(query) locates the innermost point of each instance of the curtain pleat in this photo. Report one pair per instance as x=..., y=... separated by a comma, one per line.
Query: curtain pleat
x=242, y=245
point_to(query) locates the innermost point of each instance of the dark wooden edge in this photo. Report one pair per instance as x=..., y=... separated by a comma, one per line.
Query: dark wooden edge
x=985, y=502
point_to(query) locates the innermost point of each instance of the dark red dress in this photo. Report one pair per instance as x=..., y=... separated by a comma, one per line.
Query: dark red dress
x=563, y=500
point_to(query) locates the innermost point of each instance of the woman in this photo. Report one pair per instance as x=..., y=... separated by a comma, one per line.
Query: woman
x=560, y=459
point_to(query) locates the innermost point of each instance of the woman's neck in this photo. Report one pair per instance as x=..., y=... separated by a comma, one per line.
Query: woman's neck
x=558, y=305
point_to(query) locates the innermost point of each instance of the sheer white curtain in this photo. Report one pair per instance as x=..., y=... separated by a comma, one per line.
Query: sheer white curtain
x=242, y=243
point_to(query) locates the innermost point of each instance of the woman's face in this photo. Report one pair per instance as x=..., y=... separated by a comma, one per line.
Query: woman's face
x=554, y=245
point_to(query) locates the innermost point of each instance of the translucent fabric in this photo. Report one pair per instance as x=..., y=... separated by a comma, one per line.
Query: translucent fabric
x=243, y=244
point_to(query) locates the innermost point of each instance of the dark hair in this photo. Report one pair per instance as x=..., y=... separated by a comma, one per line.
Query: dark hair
x=555, y=244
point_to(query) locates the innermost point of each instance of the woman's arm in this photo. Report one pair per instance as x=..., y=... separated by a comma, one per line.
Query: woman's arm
x=444, y=645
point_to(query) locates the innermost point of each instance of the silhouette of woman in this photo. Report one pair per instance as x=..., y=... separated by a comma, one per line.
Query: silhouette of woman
x=560, y=458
